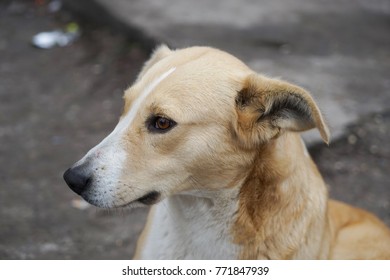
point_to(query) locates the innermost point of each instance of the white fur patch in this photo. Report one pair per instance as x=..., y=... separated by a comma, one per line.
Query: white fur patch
x=108, y=157
x=129, y=118
x=193, y=227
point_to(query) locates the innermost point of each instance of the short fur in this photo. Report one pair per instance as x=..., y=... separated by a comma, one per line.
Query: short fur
x=232, y=178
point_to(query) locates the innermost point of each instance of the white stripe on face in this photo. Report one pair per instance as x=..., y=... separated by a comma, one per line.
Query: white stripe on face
x=130, y=116
x=106, y=160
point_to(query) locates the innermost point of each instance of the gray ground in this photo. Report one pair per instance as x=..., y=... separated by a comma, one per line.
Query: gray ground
x=337, y=49
x=56, y=104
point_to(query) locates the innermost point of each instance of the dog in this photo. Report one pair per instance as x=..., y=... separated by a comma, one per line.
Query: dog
x=216, y=149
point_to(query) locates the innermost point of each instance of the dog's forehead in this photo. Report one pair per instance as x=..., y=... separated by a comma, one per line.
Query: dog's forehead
x=190, y=80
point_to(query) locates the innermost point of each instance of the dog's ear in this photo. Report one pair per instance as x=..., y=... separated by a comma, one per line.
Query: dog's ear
x=268, y=107
x=158, y=54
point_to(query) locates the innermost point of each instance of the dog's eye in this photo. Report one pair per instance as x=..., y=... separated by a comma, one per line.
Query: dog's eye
x=160, y=124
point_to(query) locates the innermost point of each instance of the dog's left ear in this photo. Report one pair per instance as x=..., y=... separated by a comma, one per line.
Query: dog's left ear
x=158, y=54
x=268, y=107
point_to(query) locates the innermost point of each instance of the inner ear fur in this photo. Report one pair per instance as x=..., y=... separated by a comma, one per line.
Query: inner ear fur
x=267, y=107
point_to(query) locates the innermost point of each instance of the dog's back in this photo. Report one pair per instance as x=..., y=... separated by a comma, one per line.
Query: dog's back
x=357, y=234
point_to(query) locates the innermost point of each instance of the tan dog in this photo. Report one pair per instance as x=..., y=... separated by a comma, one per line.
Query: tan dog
x=215, y=148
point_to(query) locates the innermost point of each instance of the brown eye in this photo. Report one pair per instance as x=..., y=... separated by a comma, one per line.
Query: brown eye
x=158, y=124
x=162, y=123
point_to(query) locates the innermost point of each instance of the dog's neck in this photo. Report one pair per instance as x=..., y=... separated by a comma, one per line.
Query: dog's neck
x=276, y=206
x=270, y=214
x=281, y=202
x=194, y=225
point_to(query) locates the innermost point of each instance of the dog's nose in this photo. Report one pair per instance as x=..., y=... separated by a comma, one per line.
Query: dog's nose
x=77, y=179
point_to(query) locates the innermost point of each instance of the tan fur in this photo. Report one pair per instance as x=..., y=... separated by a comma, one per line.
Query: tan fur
x=282, y=205
x=232, y=179
x=283, y=210
x=357, y=234
x=283, y=201
x=158, y=54
x=255, y=101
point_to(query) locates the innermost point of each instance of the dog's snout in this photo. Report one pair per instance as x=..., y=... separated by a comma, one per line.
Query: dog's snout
x=77, y=179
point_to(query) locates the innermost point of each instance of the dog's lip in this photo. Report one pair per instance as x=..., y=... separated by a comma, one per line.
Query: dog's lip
x=148, y=199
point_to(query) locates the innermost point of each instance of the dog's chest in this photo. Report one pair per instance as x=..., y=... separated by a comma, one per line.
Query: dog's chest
x=190, y=228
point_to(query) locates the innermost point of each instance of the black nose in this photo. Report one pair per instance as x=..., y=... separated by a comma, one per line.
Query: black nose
x=77, y=179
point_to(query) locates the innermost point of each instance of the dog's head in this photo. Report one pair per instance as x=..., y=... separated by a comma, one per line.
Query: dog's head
x=191, y=121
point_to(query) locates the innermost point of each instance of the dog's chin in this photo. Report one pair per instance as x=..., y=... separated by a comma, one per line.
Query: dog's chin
x=149, y=199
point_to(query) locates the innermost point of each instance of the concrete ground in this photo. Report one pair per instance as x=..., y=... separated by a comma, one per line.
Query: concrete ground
x=56, y=104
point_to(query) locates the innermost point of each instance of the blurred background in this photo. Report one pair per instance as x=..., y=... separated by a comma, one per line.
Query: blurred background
x=65, y=64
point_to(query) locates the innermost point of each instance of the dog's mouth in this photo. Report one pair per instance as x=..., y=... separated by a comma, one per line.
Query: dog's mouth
x=150, y=198
x=147, y=200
